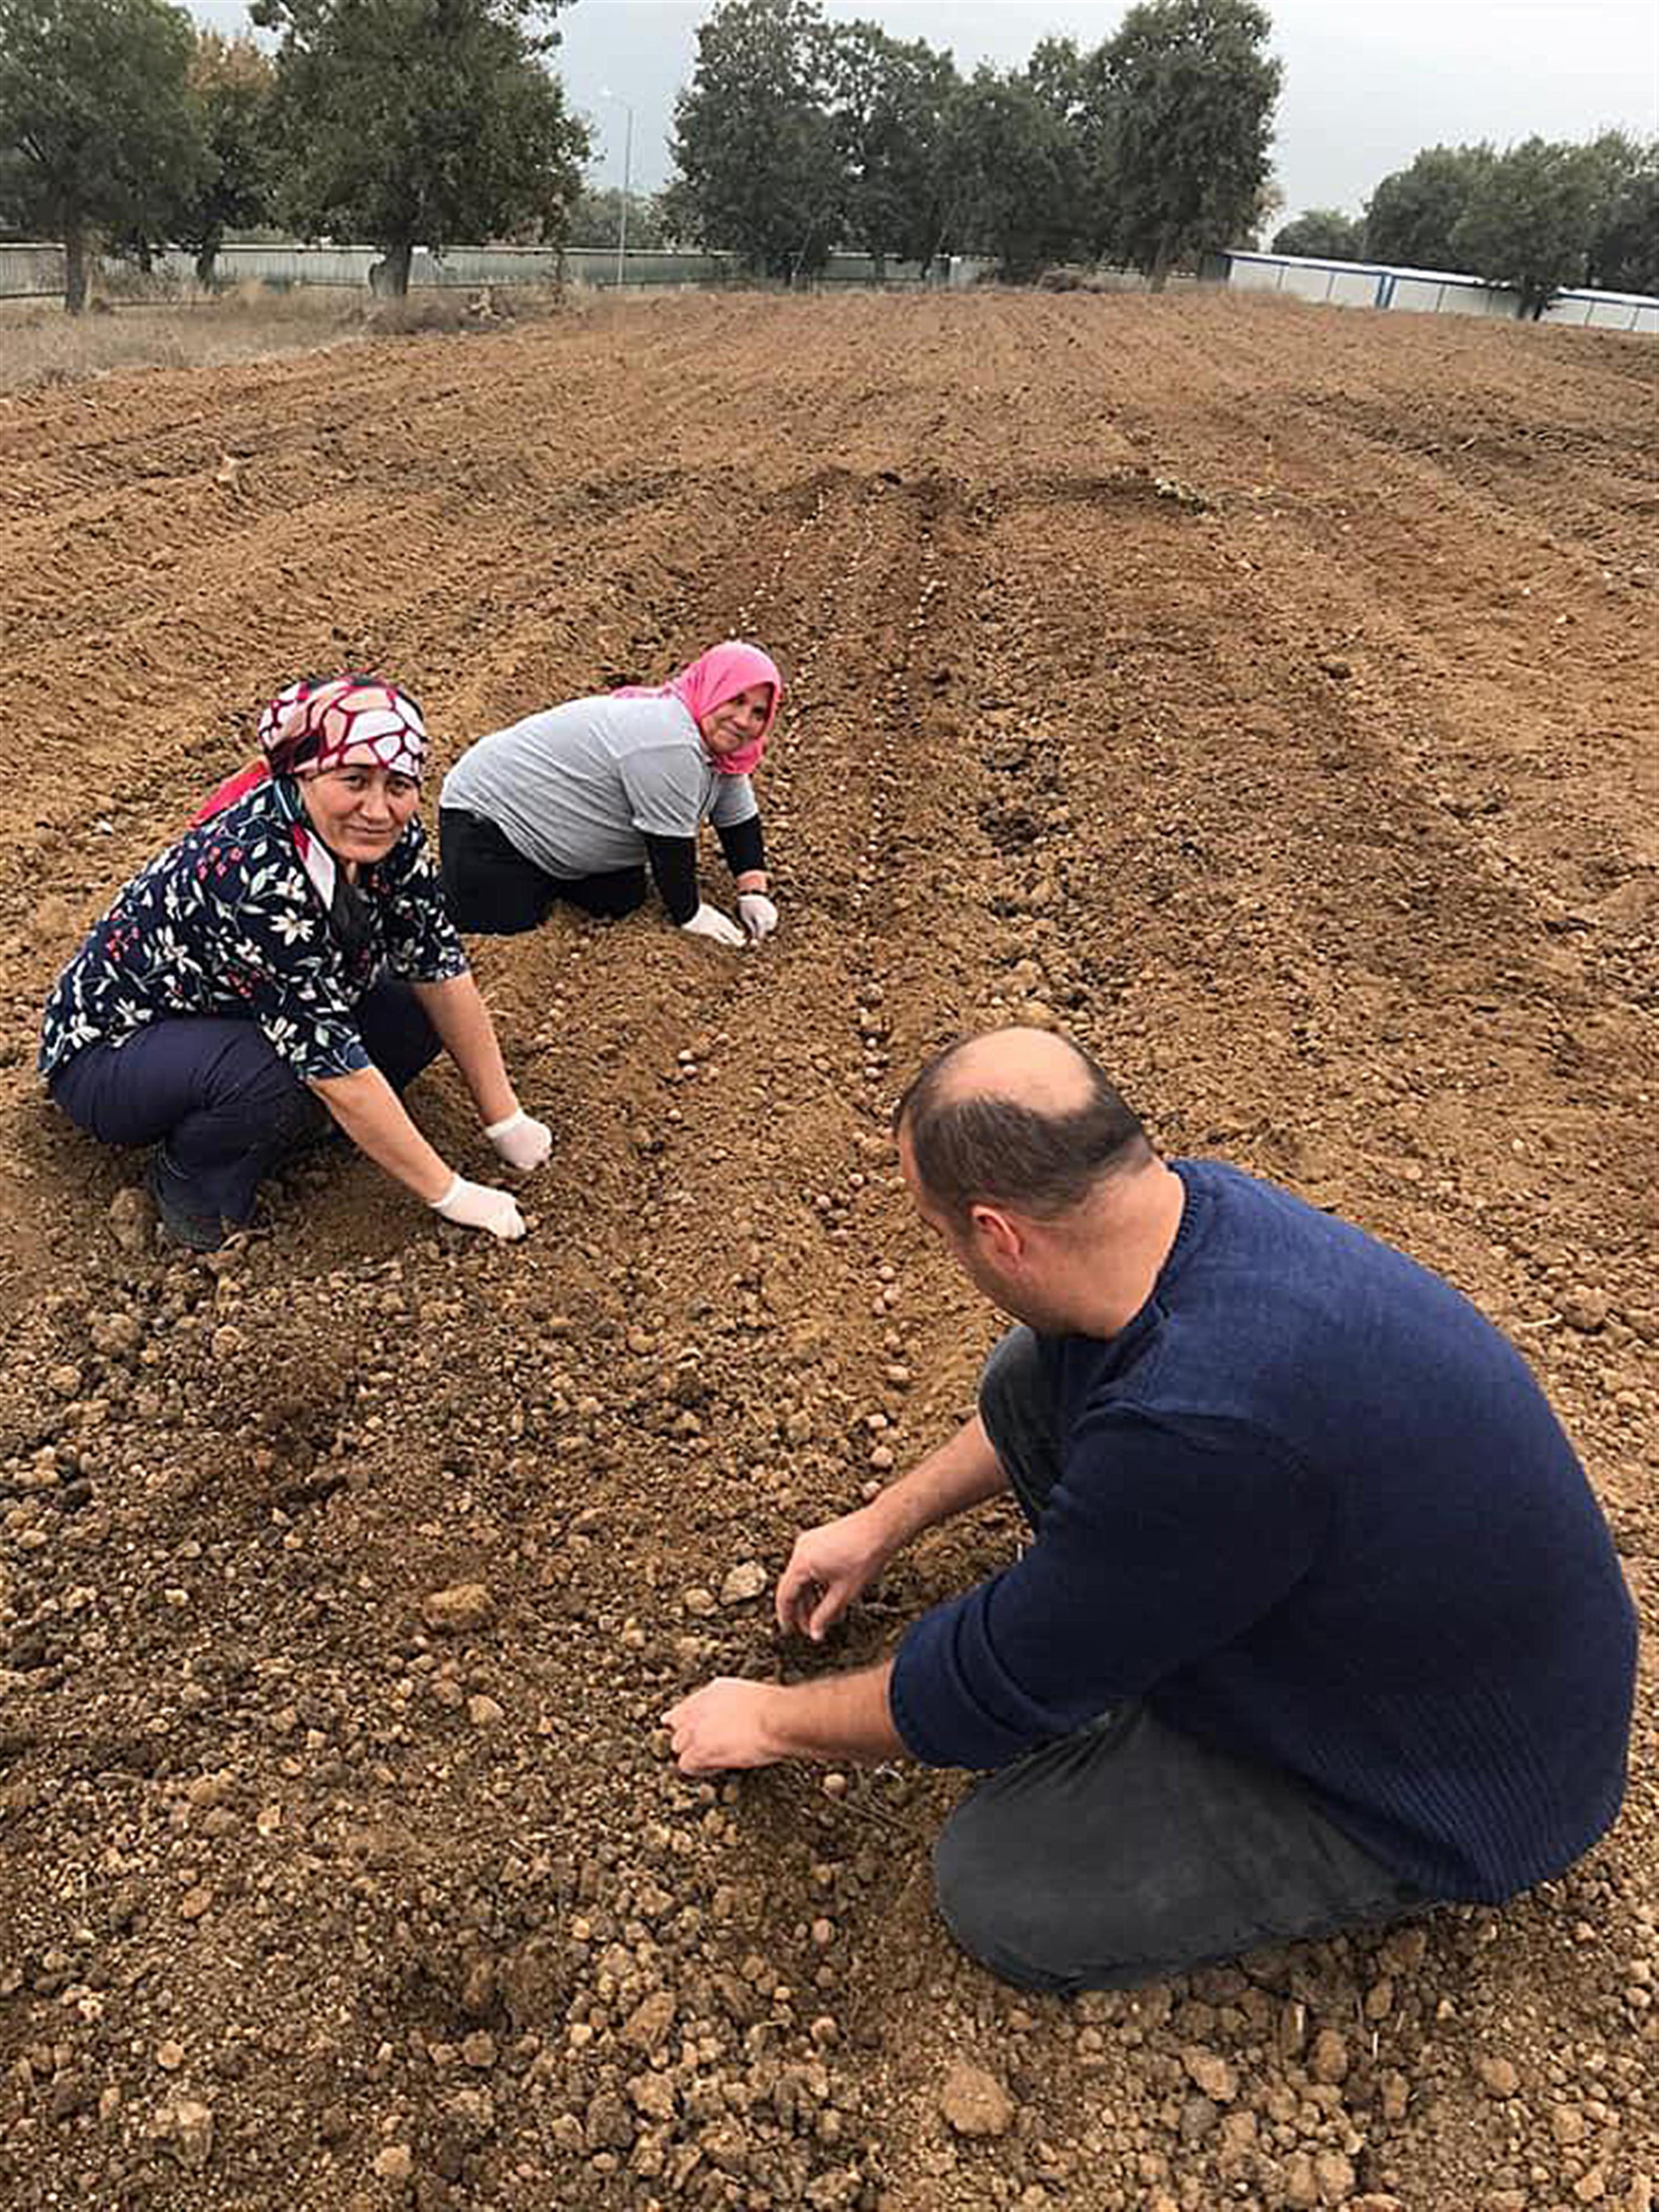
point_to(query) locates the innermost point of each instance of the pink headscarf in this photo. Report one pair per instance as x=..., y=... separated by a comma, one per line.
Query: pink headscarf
x=350, y=721
x=708, y=682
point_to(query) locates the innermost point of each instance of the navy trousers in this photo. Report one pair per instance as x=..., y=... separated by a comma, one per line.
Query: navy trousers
x=224, y=1109
x=1127, y=1852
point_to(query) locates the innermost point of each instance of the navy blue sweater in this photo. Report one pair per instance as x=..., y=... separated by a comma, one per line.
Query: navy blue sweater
x=1314, y=1510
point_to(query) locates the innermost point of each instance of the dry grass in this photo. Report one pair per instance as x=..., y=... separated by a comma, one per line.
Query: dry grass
x=40, y=344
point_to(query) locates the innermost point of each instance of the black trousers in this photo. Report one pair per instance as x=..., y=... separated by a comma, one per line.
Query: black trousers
x=1127, y=1852
x=493, y=890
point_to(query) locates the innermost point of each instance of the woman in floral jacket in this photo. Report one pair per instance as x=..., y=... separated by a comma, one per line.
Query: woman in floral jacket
x=291, y=953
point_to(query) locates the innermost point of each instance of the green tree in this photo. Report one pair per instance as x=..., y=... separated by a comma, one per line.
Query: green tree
x=422, y=121
x=1193, y=92
x=1412, y=213
x=1006, y=160
x=760, y=174
x=1623, y=254
x=234, y=85
x=887, y=105
x=1076, y=90
x=1530, y=221
x=97, y=132
x=1324, y=235
x=595, y=219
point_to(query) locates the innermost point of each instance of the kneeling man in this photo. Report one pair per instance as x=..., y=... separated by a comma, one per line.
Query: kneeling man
x=1320, y=1622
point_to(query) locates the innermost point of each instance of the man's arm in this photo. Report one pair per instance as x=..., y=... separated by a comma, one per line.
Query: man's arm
x=829, y=1565
x=734, y=1723
x=731, y=1723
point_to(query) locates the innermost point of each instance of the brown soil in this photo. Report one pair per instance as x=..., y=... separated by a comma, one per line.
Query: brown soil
x=1267, y=694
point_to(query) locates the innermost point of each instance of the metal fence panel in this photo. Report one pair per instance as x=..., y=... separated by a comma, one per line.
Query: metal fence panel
x=597, y=266
x=281, y=266
x=30, y=269
x=1427, y=291
x=1606, y=311
x=31, y=272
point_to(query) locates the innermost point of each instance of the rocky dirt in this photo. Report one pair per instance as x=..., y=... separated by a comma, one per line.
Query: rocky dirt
x=1265, y=693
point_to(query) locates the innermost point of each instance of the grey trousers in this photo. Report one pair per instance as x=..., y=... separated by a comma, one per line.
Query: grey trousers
x=1126, y=1851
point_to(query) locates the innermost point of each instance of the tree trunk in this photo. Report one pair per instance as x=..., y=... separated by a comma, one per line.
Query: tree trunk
x=75, y=264
x=1158, y=275
x=879, y=267
x=390, y=276
x=207, y=259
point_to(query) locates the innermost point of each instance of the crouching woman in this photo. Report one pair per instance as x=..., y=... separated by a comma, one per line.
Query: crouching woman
x=573, y=804
x=288, y=962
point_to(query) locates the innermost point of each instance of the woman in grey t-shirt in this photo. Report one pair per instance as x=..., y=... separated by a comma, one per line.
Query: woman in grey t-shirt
x=577, y=802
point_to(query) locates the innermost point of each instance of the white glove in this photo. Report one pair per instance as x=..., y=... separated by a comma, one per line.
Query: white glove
x=709, y=921
x=523, y=1142
x=758, y=914
x=477, y=1205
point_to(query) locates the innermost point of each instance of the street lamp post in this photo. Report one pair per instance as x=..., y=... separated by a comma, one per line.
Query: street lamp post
x=627, y=178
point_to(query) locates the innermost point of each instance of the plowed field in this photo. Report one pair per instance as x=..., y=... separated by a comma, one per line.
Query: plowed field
x=1267, y=694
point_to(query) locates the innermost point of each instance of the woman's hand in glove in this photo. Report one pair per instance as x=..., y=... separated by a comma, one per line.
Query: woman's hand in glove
x=477, y=1205
x=709, y=921
x=522, y=1141
x=758, y=914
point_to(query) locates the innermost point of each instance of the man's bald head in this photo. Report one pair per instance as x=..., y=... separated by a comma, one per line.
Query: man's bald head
x=1018, y=1118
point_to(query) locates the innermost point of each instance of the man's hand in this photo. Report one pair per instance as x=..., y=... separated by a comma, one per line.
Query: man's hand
x=827, y=1569
x=728, y=1723
x=722, y=1726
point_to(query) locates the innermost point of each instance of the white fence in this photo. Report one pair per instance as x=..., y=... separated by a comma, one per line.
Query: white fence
x=37, y=272
x=1428, y=291
x=31, y=272
x=349, y=267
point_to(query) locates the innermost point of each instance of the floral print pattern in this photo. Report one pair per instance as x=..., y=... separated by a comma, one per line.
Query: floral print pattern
x=227, y=922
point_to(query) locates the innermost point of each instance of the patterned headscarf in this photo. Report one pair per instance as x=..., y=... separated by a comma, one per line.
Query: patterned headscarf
x=708, y=682
x=350, y=721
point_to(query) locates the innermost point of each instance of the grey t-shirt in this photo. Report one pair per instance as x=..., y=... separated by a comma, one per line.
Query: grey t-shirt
x=575, y=789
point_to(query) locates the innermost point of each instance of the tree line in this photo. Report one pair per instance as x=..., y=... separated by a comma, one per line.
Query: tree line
x=1535, y=218
x=407, y=122
x=401, y=122
x=797, y=136
x=431, y=121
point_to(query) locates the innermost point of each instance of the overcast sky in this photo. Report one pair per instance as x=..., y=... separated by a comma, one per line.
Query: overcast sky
x=1367, y=82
